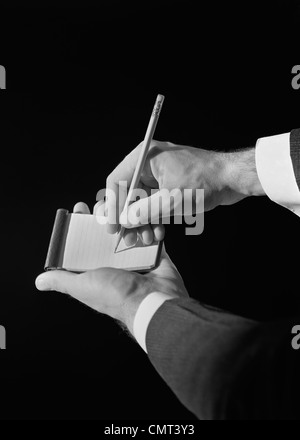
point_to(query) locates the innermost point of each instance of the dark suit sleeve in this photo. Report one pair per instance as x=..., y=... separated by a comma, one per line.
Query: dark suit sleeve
x=295, y=153
x=222, y=366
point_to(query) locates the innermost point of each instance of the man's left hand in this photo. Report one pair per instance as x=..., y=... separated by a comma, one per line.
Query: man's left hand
x=114, y=292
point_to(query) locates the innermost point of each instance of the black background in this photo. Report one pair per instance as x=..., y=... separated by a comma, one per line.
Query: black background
x=80, y=87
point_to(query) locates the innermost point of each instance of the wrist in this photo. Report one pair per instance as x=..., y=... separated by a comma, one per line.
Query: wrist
x=130, y=308
x=133, y=303
x=240, y=174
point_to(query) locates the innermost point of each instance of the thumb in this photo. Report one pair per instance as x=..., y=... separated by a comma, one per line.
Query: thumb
x=61, y=281
x=151, y=209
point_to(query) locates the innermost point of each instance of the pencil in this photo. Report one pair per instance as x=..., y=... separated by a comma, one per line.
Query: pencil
x=142, y=158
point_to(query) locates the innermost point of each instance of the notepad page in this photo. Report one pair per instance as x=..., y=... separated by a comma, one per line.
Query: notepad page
x=89, y=246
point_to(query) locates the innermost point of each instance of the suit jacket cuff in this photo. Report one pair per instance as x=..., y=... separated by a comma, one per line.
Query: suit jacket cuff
x=276, y=171
x=145, y=313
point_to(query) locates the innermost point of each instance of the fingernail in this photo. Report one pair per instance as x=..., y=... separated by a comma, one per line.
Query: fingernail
x=41, y=284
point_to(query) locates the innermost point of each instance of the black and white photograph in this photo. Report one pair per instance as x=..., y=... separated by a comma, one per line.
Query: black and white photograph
x=150, y=210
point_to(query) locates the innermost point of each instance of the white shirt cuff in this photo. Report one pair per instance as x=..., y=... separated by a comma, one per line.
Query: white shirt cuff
x=145, y=313
x=276, y=173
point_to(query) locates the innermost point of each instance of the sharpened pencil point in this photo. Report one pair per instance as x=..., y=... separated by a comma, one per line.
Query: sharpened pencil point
x=118, y=240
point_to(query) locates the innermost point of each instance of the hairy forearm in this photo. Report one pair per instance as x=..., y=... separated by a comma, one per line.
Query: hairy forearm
x=240, y=172
x=226, y=177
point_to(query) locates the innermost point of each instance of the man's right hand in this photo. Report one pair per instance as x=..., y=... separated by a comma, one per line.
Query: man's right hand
x=225, y=177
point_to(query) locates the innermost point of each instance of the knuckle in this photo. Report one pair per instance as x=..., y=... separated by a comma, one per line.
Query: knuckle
x=155, y=144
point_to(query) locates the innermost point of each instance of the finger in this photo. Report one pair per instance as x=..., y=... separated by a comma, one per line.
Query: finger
x=158, y=232
x=99, y=213
x=99, y=208
x=81, y=208
x=61, y=281
x=146, y=234
x=148, y=210
x=130, y=237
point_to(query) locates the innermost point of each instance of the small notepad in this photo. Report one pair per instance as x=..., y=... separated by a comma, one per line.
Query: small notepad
x=79, y=243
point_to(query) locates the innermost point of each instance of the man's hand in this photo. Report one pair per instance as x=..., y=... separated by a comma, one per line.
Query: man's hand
x=114, y=292
x=225, y=177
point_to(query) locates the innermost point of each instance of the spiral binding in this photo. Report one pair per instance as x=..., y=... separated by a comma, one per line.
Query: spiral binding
x=56, y=248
